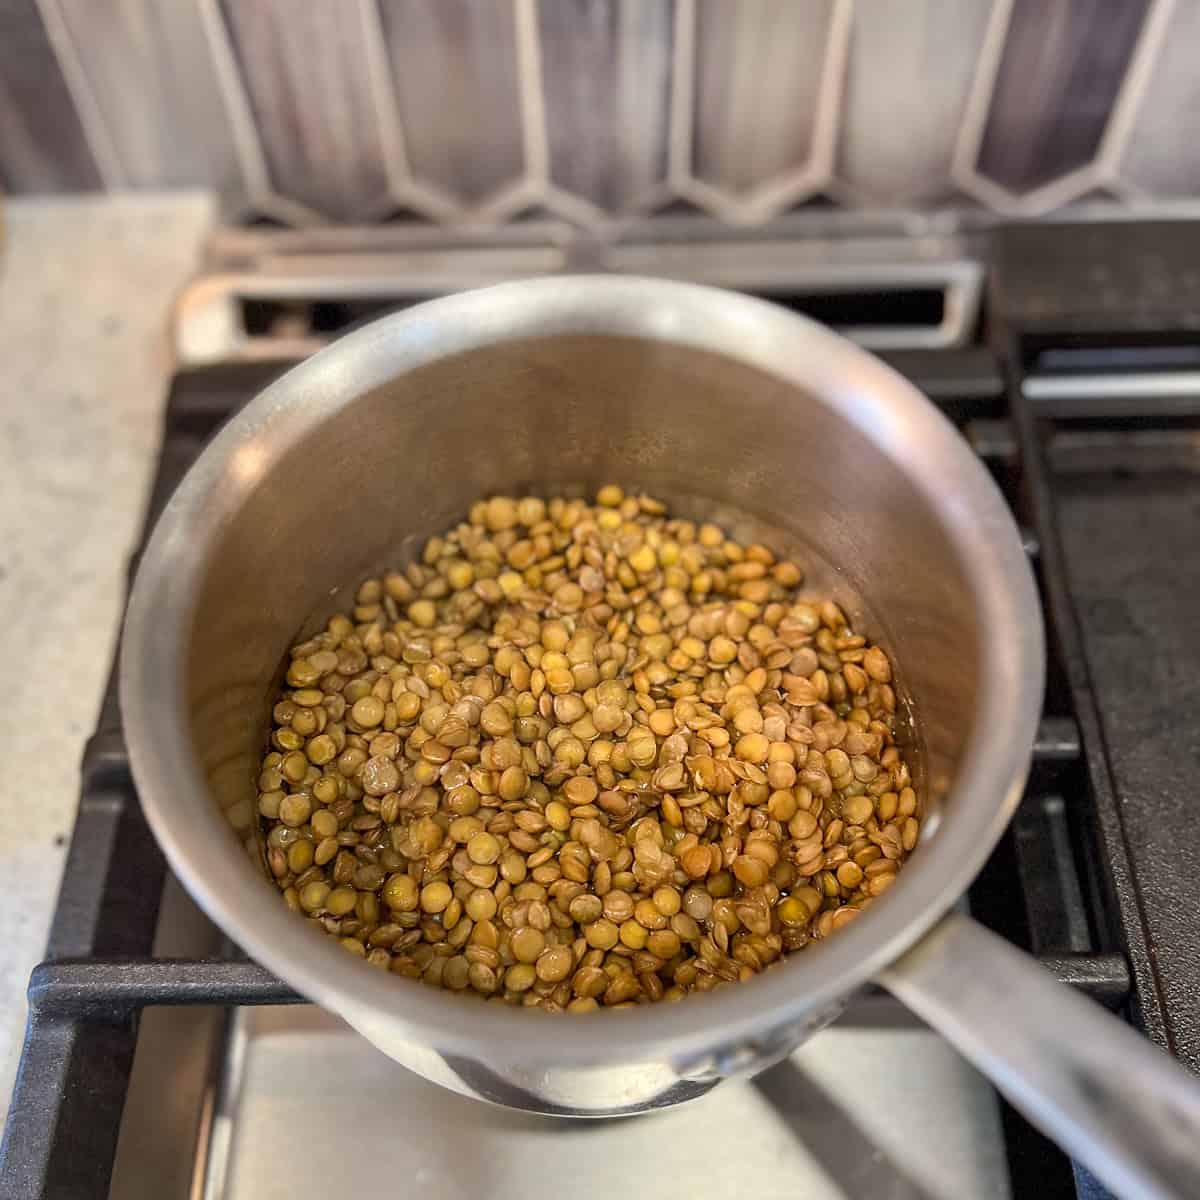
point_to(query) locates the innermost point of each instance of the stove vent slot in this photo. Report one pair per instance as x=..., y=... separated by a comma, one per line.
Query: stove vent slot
x=299, y=303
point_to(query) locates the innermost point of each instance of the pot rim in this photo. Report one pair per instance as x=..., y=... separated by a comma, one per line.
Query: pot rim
x=885, y=407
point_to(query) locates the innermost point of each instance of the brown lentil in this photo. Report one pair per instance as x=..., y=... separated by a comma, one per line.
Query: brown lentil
x=581, y=755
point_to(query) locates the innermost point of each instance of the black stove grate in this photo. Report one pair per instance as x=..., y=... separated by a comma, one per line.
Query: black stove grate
x=1062, y=883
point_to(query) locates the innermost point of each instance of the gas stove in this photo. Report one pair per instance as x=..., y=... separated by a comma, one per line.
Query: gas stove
x=160, y=1062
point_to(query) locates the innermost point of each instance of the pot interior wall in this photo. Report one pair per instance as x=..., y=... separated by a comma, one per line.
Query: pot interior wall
x=714, y=437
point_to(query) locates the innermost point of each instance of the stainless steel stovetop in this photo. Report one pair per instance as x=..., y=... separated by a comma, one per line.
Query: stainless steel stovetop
x=247, y=1100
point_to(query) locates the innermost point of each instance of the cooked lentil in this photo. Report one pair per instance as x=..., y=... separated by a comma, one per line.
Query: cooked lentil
x=582, y=755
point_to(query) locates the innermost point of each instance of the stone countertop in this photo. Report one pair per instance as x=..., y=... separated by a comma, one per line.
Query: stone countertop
x=85, y=288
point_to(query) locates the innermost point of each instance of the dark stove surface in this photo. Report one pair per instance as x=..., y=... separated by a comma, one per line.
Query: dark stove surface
x=1099, y=875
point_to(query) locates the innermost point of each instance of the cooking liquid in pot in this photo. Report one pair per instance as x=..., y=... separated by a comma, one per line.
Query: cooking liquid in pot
x=585, y=754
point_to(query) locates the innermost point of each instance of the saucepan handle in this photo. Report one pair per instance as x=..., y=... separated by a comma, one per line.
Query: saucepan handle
x=1104, y=1093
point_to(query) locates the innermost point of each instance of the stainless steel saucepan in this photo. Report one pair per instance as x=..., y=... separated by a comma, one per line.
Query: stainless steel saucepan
x=723, y=405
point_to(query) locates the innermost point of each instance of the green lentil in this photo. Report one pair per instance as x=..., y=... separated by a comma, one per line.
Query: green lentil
x=579, y=755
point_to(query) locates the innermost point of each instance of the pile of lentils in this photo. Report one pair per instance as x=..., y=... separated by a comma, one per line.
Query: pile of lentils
x=585, y=754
